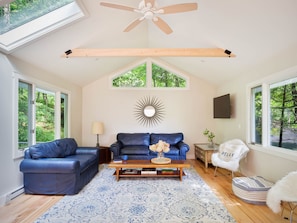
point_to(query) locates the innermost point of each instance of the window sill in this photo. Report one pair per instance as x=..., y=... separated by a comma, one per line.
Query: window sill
x=275, y=151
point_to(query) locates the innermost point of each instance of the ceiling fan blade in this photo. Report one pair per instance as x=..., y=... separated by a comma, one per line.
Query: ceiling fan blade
x=152, y=2
x=162, y=25
x=116, y=6
x=185, y=7
x=133, y=24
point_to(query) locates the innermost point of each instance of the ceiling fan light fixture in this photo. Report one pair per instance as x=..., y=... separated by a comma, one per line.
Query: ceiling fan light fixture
x=150, y=10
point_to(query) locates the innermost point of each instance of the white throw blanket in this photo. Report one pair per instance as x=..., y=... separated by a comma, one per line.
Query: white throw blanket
x=283, y=190
x=232, y=150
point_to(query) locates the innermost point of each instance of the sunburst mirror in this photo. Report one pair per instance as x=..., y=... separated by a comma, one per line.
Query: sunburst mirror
x=149, y=111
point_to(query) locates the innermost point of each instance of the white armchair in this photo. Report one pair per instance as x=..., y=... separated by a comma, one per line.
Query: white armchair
x=229, y=155
x=283, y=190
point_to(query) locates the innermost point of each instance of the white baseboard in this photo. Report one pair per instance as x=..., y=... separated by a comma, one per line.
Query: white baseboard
x=14, y=194
x=4, y=199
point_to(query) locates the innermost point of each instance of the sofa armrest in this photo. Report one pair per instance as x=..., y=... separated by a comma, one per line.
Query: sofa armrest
x=49, y=165
x=183, y=148
x=115, y=148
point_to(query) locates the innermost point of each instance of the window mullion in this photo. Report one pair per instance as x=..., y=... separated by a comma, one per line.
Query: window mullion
x=149, y=75
x=32, y=109
x=265, y=115
x=57, y=116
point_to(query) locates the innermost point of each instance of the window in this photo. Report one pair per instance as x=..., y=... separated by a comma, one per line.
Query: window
x=22, y=21
x=165, y=78
x=133, y=78
x=274, y=117
x=257, y=117
x=149, y=74
x=42, y=114
x=19, y=12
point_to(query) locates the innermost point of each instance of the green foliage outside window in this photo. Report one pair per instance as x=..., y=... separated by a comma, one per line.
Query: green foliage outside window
x=45, y=116
x=283, y=114
x=133, y=78
x=23, y=115
x=258, y=114
x=44, y=104
x=283, y=111
x=160, y=78
x=164, y=78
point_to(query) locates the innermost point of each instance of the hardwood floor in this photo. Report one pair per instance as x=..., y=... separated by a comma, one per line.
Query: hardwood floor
x=27, y=208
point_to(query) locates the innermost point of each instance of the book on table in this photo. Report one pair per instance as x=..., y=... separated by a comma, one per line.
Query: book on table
x=168, y=171
x=149, y=171
x=129, y=171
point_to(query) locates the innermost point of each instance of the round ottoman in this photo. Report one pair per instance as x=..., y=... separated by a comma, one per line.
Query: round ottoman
x=251, y=189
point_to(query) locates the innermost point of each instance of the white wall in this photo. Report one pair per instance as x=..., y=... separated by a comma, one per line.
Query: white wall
x=188, y=111
x=11, y=177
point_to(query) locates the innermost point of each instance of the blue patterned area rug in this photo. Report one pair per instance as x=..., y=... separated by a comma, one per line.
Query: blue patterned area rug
x=140, y=200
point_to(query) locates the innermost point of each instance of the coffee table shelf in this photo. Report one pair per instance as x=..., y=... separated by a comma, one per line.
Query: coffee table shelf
x=137, y=164
x=175, y=173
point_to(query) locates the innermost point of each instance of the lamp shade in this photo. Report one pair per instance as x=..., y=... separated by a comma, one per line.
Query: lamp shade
x=97, y=128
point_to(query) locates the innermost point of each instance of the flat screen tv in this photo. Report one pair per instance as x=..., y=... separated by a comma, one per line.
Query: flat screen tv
x=222, y=107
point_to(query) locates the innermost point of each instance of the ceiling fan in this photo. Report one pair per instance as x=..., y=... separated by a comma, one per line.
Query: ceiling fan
x=150, y=11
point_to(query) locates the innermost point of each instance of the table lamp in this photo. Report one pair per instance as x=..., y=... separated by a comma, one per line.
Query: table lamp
x=97, y=128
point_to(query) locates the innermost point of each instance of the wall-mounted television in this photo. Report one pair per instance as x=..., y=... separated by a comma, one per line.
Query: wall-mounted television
x=222, y=107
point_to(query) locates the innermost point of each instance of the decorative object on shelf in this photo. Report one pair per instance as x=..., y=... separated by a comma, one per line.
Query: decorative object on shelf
x=160, y=148
x=210, y=136
x=149, y=111
x=97, y=129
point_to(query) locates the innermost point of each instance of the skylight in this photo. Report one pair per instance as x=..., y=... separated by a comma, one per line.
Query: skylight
x=22, y=21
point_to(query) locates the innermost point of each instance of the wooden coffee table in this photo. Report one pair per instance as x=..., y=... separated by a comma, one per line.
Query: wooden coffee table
x=178, y=165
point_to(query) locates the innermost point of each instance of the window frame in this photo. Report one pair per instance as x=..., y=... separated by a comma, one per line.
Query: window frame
x=18, y=153
x=265, y=84
x=40, y=26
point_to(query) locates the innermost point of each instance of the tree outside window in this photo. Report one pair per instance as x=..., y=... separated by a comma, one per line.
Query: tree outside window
x=281, y=114
x=160, y=77
x=36, y=115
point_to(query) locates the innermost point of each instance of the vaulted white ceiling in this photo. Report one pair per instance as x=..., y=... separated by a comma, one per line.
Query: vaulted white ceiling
x=262, y=35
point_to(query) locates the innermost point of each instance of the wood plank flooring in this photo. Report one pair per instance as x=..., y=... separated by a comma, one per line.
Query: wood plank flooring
x=27, y=208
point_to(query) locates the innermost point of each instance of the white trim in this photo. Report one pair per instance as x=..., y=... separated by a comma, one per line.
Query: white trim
x=275, y=151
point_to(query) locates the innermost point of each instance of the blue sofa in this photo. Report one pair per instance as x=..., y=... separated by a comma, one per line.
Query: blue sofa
x=58, y=167
x=136, y=145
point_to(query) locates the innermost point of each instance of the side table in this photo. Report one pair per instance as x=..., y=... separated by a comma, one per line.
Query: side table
x=203, y=152
x=104, y=154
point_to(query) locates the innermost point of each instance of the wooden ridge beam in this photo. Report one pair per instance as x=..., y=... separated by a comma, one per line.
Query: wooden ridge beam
x=149, y=52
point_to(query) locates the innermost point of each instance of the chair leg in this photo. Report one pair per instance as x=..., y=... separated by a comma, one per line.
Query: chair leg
x=292, y=208
x=215, y=172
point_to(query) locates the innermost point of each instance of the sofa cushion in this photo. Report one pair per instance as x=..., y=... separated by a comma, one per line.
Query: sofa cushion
x=173, y=151
x=67, y=145
x=46, y=150
x=135, y=150
x=135, y=139
x=171, y=138
x=85, y=160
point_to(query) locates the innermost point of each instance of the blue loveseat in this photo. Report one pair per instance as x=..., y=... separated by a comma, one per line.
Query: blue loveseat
x=136, y=145
x=58, y=167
